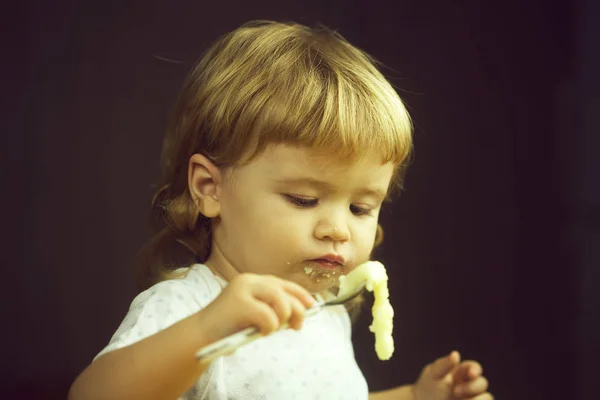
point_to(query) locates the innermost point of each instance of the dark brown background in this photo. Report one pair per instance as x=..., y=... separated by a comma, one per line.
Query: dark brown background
x=492, y=249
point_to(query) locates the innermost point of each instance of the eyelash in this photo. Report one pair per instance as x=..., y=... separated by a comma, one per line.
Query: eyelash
x=309, y=203
x=360, y=211
x=301, y=201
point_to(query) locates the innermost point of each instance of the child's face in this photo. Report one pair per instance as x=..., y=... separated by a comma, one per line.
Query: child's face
x=298, y=214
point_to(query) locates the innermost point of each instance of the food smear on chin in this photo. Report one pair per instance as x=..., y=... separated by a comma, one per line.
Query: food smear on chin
x=318, y=273
x=373, y=273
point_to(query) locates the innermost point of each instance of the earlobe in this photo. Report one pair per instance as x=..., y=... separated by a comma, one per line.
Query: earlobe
x=204, y=183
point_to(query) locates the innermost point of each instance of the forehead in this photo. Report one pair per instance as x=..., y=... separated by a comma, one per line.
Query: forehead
x=281, y=162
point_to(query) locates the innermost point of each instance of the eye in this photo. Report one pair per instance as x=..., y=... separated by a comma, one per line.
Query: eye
x=359, y=211
x=302, y=202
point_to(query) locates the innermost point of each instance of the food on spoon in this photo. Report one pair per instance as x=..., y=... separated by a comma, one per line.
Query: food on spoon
x=375, y=276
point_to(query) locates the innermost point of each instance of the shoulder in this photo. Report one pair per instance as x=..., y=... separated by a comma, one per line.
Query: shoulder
x=193, y=287
x=165, y=304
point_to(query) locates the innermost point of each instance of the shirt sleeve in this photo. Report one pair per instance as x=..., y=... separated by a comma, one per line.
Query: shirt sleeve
x=157, y=308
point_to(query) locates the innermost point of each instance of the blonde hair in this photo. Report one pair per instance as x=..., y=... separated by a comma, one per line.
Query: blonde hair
x=265, y=83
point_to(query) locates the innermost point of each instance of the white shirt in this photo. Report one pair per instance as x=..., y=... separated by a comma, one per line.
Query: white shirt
x=316, y=362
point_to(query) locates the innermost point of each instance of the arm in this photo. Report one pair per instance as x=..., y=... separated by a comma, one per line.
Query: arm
x=400, y=393
x=444, y=379
x=162, y=366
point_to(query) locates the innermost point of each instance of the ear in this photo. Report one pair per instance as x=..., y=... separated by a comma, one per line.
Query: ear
x=204, y=183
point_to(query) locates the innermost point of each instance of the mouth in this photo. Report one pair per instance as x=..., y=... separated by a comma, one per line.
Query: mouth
x=325, y=269
x=329, y=261
x=327, y=264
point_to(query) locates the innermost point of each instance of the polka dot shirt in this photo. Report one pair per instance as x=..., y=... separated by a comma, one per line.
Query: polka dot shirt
x=316, y=362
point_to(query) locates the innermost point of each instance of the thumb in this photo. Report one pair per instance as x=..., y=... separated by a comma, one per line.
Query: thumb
x=444, y=365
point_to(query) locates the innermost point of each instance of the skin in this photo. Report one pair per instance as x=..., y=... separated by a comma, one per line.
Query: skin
x=290, y=206
x=305, y=204
x=271, y=218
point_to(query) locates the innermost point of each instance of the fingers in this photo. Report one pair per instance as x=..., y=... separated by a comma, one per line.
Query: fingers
x=281, y=304
x=297, y=317
x=266, y=320
x=286, y=300
x=287, y=308
x=299, y=293
x=476, y=387
x=467, y=371
x=484, y=396
x=443, y=366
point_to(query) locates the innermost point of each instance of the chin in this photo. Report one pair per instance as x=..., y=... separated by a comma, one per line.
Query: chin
x=317, y=284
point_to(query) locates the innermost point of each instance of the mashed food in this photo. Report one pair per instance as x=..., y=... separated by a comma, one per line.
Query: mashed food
x=375, y=276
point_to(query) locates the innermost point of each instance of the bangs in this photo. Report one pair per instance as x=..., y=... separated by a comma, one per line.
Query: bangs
x=285, y=83
x=344, y=114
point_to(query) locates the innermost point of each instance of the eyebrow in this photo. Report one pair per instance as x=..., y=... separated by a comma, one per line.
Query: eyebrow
x=326, y=186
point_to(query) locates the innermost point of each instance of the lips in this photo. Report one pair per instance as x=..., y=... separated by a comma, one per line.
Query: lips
x=327, y=264
x=330, y=261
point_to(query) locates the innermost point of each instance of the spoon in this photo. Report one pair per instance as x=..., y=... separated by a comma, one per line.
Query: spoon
x=230, y=343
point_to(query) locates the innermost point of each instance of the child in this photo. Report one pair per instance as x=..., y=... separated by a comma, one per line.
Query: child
x=285, y=142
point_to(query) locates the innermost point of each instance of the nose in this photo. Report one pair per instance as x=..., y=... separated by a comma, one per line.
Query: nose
x=332, y=226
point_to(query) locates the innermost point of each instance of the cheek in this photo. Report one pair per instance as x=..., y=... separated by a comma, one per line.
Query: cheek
x=365, y=237
x=276, y=219
x=271, y=218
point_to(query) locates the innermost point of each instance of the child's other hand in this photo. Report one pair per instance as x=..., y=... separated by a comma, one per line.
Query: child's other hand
x=264, y=301
x=449, y=379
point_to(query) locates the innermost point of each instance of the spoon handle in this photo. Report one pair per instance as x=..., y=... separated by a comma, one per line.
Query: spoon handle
x=229, y=344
